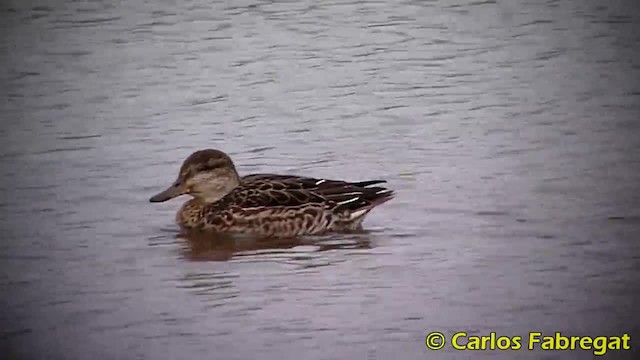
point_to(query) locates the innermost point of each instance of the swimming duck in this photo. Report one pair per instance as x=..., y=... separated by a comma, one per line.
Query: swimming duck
x=267, y=204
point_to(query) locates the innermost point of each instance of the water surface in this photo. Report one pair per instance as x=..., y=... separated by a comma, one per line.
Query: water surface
x=509, y=130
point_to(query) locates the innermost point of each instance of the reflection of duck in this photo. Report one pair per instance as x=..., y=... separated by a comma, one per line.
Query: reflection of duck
x=207, y=246
x=266, y=204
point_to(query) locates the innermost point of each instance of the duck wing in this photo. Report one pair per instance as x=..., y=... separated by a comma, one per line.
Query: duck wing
x=297, y=191
x=303, y=182
x=263, y=193
x=352, y=197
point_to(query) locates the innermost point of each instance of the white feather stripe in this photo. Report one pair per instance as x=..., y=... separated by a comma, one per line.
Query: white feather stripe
x=356, y=214
x=348, y=201
x=352, y=193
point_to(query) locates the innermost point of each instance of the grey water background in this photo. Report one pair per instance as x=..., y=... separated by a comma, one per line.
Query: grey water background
x=509, y=130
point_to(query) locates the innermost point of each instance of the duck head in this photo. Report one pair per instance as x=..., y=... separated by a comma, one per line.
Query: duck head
x=207, y=175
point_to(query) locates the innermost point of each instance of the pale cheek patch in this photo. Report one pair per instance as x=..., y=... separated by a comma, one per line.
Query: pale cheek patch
x=200, y=180
x=207, y=183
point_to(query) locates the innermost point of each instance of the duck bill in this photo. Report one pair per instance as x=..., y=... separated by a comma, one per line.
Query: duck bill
x=172, y=191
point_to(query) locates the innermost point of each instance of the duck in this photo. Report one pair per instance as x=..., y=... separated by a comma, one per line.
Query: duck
x=267, y=205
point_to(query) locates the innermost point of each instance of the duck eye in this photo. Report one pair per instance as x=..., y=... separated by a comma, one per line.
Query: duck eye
x=206, y=168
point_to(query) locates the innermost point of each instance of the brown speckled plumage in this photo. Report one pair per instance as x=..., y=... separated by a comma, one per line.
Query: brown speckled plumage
x=268, y=204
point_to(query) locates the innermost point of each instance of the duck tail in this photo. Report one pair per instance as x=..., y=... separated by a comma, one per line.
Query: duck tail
x=358, y=201
x=368, y=183
x=381, y=197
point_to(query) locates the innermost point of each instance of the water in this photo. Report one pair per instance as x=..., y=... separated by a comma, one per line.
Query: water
x=509, y=130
